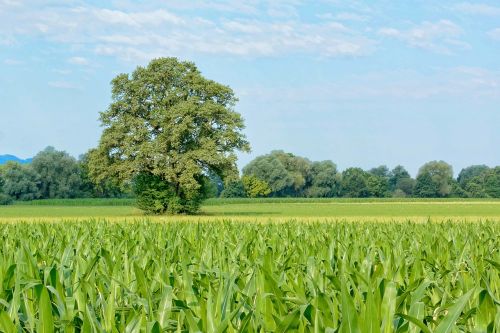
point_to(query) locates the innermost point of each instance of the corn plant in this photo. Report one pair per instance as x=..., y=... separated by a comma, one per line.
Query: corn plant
x=97, y=276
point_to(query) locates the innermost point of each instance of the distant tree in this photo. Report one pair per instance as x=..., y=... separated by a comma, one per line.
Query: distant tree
x=4, y=198
x=233, y=188
x=470, y=172
x=378, y=186
x=380, y=171
x=434, y=180
x=255, y=187
x=285, y=173
x=406, y=185
x=298, y=168
x=475, y=188
x=59, y=174
x=105, y=188
x=397, y=174
x=2, y=180
x=217, y=184
x=399, y=194
x=425, y=186
x=355, y=183
x=485, y=185
x=21, y=182
x=492, y=182
x=324, y=180
x=168, y=124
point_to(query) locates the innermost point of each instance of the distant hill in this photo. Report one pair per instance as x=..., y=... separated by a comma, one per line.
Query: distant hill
x=6, y=158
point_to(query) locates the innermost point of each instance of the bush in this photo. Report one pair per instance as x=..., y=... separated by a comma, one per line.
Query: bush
x=5, y=199
x=156, y=196
x=233, y=189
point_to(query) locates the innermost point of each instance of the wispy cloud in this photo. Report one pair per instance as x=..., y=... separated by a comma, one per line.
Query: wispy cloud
x=438, y=36
x=12, y=62
x=478, y=9
x=78, y=61
x=137, y=34
x=63, y=85
x=495, y=34
x=343, y=16
x=469, y=83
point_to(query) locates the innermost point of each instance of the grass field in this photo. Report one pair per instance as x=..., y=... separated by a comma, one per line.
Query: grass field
x=268, y=209
x=74, y=266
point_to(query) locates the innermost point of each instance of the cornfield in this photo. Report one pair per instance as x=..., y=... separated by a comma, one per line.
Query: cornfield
x=97, y=276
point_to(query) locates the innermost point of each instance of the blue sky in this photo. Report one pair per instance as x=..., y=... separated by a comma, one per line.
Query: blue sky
x=361, y=83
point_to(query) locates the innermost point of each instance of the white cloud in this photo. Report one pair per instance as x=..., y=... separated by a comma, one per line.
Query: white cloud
x=135, y=34
x=63, y=85
x=137, y=19
x=12, y=62
x=78, y=61
x=437, y=36
x=469, y=83
x=343, y=16
x=495, y=34
x=7, y=40
x=478, y=9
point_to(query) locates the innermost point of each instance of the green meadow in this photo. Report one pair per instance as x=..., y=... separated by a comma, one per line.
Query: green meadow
x=249, y=209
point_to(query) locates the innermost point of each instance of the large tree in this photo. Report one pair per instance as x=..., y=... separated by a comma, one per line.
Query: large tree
x=434, y=179
x=167, y=128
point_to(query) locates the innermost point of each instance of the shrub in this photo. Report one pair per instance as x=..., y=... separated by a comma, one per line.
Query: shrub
x=5, y=199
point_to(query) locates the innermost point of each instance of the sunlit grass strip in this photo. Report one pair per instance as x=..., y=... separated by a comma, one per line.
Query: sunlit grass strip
x=249, y=277
x=253, y=219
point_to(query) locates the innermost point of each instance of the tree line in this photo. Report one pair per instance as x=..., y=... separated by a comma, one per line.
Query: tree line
x=281, y=174
x=55, y=174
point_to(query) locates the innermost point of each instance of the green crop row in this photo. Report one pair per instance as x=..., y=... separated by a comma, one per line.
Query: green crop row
x=97, y=276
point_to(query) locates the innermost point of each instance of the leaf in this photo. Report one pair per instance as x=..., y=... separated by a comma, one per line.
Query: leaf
x=415, y=321
x=349, y=313
x=454, y=312
x=290, y=321
x=6, y=324
x=45, y=319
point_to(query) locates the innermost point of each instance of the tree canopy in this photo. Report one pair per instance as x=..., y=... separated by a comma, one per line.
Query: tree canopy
x=58, y=174
x=434, y=179
x=169, y=124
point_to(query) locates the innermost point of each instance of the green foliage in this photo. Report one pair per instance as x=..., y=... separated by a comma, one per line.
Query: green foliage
x=434, y=179
x=397, y=175
x=492, y=182
x=167, y=120
x=155, y=196
x=355, y=183
x=485, y=185
x=272, y=169
x=59, y=174
x=254, y=187
x=378, y=186
x=247, y=277
x=233, y=189
x=469, y=173
x=21, y=182
x=324, y=180
x=380, y=171
x=5, y=199
x=406, y=185
x=105, y=188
